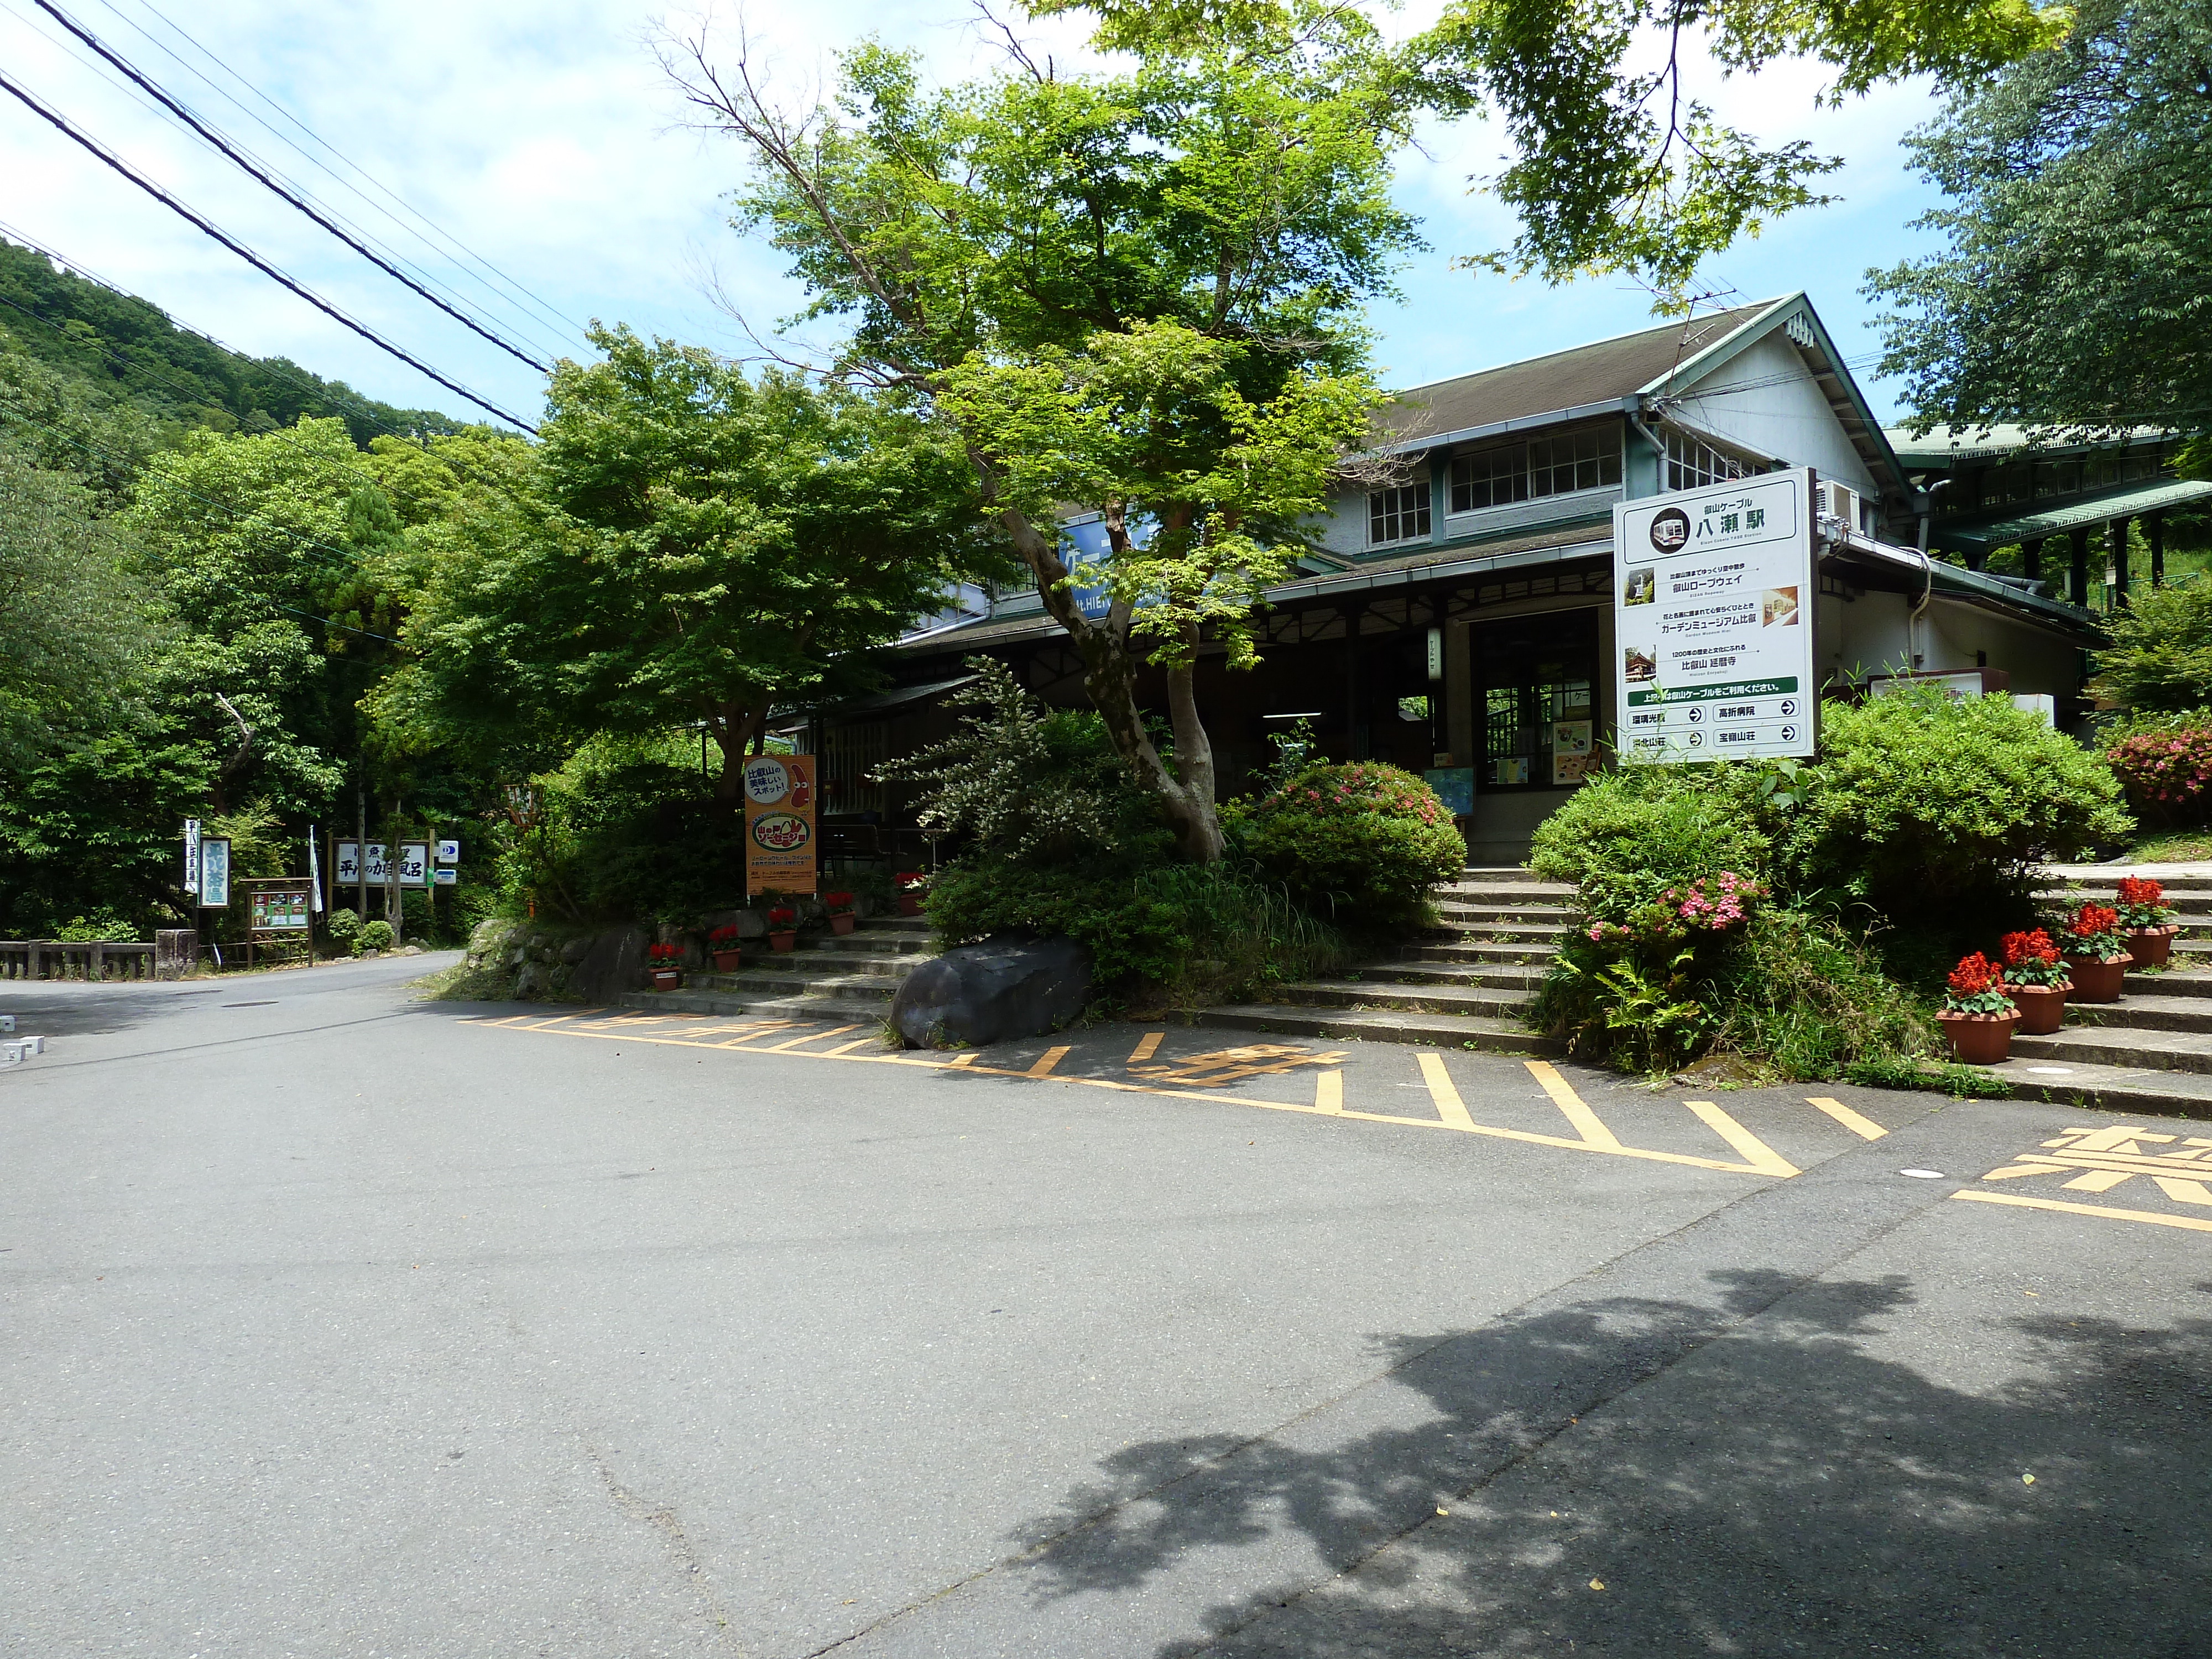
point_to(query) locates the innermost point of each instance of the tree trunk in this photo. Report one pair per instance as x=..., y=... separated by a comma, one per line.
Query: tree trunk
x=1109, y=675
x=735, y=726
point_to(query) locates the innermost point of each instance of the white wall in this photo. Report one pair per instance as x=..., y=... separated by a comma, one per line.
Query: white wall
x=1766, y=400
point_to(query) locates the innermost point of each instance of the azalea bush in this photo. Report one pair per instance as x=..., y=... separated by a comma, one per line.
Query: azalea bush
x=1364, y=844
x=1626, y=836
x=2166, y=770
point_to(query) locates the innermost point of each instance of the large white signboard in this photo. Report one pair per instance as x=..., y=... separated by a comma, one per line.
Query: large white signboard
x=1713, y=621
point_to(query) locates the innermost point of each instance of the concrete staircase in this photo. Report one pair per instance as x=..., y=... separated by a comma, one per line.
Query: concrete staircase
x=1465, y=985
x=842, y=976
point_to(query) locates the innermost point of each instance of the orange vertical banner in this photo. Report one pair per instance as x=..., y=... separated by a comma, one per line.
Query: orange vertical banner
x=779, y=798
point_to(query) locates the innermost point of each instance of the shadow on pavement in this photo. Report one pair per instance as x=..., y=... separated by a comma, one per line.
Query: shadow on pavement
x=1781, y=1491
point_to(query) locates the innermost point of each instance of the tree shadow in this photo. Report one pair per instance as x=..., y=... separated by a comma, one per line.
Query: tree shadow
x=1780, y=1490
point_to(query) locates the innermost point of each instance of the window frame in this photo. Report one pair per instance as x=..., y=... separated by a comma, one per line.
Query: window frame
x=1420, y=511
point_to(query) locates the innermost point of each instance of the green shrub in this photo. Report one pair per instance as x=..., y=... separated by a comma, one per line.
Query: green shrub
x=2160, y=658
x=374, y=936
x=1626, y=836
x=1364, y=843
x=2164, y=761
x=344, y=929
x=1921, y=803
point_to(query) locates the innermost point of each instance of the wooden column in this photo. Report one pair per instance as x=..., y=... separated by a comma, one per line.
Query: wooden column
x=2154, y=533
x=2031, y=559
x=2077, y=571
x=2117, y=533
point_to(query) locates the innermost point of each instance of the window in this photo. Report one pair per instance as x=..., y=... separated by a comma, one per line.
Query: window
x=1397, y=514
x=1586, y=459
x=1691, y=463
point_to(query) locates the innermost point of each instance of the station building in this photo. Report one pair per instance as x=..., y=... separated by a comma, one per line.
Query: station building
x=1451, y=617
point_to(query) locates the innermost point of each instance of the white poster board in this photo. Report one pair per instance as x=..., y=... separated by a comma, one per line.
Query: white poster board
x=215, y=872
x=413, y=863
x=349, y=872
x=1713, y=636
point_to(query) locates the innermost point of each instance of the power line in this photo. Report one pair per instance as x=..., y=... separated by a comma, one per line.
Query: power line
x=253, y=258
x=222, y=144
x=545, y=310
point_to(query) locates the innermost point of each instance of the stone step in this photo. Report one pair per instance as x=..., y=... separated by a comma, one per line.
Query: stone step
x=2199, y=883
x=1537, y=931
x=1535, y=951
x=2181, y=983
x=864, y=938
x=2149, y=1012
x=2122, y=1046
x=766, y=982
x=1507, y=892
x=1557, y=915
x=885, y=958
x=1421, y=963
x=2132, y=1089
x=1447, y=999
x=1381, y=1025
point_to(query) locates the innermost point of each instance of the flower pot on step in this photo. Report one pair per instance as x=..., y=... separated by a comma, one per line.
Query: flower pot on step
x=909, y=904
x=783, y=941
x=2151, y=946
x=666, y=978
x=2097, y=979
x=842, y=924
x=1979, y=1039
x=2042, y=1007
x=728, y=961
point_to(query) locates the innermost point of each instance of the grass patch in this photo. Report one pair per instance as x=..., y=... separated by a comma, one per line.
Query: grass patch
x=1896, y=1072
x=2180, y=846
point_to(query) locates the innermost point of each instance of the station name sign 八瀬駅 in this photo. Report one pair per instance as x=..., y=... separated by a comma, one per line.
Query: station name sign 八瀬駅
x=1712, y=612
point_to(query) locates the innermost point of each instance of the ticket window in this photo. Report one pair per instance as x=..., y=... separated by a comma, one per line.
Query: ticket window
x=1536, y=701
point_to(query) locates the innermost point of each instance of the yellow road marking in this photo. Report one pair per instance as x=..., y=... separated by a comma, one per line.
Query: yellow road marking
x=1865, y=1127
x=1756, y=1152
x=2184, y=1191
x=1449, y=1107
x=968, y=1058
x=2097, y=1181
x=2026, y=1203
x=1329, y=1091
x=811, y=1037
x=1146, y=1046
x=848, y=1048
x=1046, y=1061
x=1564, y=1097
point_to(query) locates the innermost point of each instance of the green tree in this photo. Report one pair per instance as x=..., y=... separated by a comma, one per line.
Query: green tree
x=697, y=546
x=1139, y=291
x=2071, y=293
x=2161, y=660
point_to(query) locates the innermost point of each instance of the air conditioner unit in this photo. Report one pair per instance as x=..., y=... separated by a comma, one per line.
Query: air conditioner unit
x=1841, y=504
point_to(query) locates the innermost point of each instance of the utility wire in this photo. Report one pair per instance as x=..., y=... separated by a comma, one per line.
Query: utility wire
x=62, y=125
x=255, y=170
x=545, y=310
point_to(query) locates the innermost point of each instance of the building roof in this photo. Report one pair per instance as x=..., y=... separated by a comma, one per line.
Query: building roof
x=2129, y=502
x=1945, y=445
x=1603, y=372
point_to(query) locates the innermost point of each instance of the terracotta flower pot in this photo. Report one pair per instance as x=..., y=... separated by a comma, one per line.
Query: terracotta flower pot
x=842, y=922
x=666, y=978
x=728, y=961
x=1979, y=1039
x=909, y=904
x=2042, y=1007
x=2152, y=946
x=785, y=941
x=2097, y=979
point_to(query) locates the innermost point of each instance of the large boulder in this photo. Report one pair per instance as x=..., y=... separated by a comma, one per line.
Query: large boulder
x=612, y=965
x=993, y=992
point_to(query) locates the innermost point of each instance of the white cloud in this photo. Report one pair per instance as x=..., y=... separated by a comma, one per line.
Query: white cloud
x=544, y=137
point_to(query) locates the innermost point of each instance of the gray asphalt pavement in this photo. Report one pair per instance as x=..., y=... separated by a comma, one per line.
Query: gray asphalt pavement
x=337, y=1323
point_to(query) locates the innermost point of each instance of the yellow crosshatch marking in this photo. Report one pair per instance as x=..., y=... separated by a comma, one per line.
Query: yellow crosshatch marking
x=1207, y=1072
x=1229, y=1065
x=2101, y=1160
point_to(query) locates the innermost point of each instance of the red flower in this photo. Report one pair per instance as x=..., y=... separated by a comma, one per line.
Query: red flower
x=2092, y=919
x=1974, y=976
x=779, y=917
x=2036, y=946
x=2141, y=890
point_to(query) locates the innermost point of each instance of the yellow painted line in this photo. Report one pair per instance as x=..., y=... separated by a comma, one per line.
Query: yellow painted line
x=1865, y=1127
x=1146, y=1045
x=2184, y=1191
x=2098, y=1181
x=2026, y=1203
x=1564, y=1097
x=810, y=1037
x=1756, y=1152
x=968, y=1058
x=1449, y=1107
x=847, y=1048
x=1046, y=1061
x=1329, y=1091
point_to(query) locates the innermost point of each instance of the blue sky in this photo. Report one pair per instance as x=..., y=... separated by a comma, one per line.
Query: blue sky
x=543, y=137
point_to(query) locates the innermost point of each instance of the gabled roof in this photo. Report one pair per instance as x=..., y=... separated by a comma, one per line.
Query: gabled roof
x=1601, y=373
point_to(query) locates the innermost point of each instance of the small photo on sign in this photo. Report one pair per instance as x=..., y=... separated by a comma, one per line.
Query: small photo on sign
x=1570, y=768
x=1510, y=769
x=1640, y=587
x=1778, y=604
x=1640, y=662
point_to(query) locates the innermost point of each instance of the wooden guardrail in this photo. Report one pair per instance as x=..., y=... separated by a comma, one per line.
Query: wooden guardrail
x=46, y=958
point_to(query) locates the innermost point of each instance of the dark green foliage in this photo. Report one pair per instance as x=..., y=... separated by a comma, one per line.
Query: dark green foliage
x=1923, y=804
x=1364, y=844
x=375, y=936
x=2160, y=657
x=1896, y=1072
x=344, y=928
x=1626, y=836
x=125, y=351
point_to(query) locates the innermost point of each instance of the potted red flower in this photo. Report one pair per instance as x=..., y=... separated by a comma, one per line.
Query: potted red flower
x=912, y=885
x=728, y=948
x=660, y=969
x=2096, y=953
x=842, y=916
x=2036, y=981
x=1977, y=1016
x=782, y=928
x=2147, y=920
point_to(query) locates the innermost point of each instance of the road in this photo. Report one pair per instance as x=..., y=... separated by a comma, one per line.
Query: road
x=341, y=1323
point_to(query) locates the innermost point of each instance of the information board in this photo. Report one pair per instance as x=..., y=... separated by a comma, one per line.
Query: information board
x=779, y=823
x=281, y=908
x=349, y=864
x=215, y=872
x=1713, y=636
